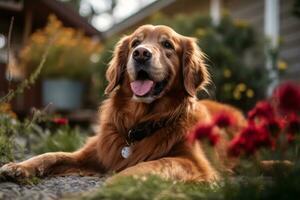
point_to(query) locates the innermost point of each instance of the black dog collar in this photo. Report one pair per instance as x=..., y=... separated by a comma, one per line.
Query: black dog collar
x=141, y=131
x=145, y=129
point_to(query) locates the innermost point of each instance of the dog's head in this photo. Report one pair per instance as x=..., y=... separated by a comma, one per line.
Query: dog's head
x=155, y=60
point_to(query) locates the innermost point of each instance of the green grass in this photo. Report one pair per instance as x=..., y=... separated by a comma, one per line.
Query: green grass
x=152, y=187
x=64, y=139
x=284, y=186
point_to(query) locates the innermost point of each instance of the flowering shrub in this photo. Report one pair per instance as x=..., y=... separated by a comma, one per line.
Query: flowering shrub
x=71, y=54
x=273, y=125
x=10, y=129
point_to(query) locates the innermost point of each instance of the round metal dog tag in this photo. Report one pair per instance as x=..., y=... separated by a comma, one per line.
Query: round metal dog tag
x=126, y=151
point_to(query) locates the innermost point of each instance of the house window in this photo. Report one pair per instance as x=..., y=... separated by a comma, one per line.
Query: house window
x=2, y=41
x=3, y=53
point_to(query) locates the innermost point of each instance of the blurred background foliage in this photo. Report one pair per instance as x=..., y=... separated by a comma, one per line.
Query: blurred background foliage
x=234, y=52
x=72, y=54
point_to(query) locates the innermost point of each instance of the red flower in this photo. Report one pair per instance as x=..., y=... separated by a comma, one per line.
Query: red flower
x=204, y=131
x=293, y=124
x=256, y=135
x=201, y=131
x=214, y=138
x=263, y=138
x=249, y=140
x=288, y=97
x=250, y=147
x=61, y=121
x=274, y=126
x=223, y=119
x=250, y=132
x=236, y=146
x=262, y=109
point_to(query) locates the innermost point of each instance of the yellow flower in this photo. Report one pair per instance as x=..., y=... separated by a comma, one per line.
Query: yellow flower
x=249, y=93
x=225, y=12
x=227, y=73
x=237, y=95
x=241, y=87
x=6, y=108
x=241, y=23
x=227, y=87
x=281, y=65
x=200, y=32
x=73, y=46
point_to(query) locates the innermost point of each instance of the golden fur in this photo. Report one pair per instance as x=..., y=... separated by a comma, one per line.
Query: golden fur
x=167, y=152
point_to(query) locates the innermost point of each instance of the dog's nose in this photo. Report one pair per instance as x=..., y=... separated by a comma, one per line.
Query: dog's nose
x=141, y=55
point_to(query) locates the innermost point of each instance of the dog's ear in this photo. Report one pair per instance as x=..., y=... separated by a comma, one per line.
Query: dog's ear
x=195, y=74
x=117, y=65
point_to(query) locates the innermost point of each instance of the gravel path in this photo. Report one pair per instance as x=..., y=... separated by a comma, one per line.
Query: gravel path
x=50, y=188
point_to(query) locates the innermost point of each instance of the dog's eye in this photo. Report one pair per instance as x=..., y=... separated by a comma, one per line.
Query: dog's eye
x=167, y=44
x=135, y=43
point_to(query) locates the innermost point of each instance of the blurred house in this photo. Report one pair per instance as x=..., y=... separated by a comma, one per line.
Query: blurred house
x=272, y=18
x=30, y=15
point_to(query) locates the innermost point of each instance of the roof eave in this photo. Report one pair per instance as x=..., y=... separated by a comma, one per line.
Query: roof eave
x=136, y=17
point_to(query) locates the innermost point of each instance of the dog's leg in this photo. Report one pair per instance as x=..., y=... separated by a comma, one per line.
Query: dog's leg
x=176, y=168
x=54, y=163
x=39, y=165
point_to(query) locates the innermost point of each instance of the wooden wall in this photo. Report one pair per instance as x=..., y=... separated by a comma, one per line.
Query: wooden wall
x=290, y=38
x=253, y=12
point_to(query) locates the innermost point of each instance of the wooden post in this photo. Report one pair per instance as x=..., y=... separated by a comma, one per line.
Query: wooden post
x=27, y=24
x=271, y=21
x=271, y=31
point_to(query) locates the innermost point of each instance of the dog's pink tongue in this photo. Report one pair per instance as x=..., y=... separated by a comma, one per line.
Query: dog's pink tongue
x=141, y=87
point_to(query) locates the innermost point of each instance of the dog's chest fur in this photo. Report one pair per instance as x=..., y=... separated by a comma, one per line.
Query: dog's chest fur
x=115, y=124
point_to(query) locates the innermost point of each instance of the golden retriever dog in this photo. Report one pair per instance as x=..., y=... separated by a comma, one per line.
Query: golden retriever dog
x=151, y=107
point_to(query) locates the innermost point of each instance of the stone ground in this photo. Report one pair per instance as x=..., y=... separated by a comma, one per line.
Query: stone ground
x=50, y=188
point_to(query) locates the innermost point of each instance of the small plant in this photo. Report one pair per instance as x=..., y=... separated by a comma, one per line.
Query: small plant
x=64, y=138
x=13, y=134
x=39, y=134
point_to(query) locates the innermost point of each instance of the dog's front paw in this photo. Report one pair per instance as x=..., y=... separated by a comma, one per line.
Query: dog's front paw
x=14, y=171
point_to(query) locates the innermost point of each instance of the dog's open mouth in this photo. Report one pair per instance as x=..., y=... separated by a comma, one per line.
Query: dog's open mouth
x=143, y=86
